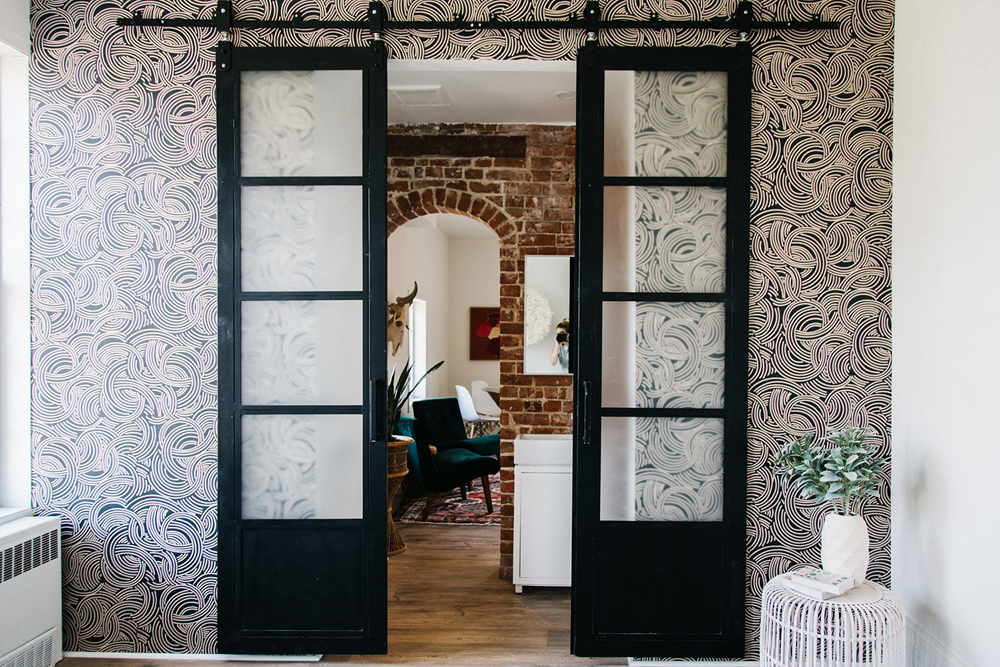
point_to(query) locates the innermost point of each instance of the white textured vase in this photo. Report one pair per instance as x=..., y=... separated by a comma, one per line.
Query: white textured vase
x=844, y=547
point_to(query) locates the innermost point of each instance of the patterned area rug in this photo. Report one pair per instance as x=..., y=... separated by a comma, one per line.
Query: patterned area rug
x=452, y=509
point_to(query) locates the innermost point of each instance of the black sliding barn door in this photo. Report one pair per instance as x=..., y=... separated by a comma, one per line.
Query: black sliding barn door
x=302, y=196
x=661, y=399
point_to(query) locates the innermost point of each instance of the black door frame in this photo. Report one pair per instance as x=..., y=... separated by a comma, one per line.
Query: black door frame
x=370, y=635
x=589, y=533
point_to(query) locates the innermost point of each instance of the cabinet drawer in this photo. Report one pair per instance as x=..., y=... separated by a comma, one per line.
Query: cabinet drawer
x=534, y=449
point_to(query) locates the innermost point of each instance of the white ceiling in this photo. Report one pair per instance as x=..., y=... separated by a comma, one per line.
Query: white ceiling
x=454, y=226
x=488, y=91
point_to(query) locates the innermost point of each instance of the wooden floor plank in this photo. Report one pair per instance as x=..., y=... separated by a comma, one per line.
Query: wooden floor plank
x=448, y=606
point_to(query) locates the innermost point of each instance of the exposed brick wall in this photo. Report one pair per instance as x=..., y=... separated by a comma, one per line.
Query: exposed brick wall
x=529, y=203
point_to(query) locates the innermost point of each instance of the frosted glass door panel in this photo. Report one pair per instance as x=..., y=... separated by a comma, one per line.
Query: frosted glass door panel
x=663, y=355
x=618, y=468
x=619, y=123
x=664, y=239
x=665, y=123
x=618, y=343
x=303, y=466
x=302, y=353
x=302, y=238
x=301, y=123
x=661, y=469
x=619, y=239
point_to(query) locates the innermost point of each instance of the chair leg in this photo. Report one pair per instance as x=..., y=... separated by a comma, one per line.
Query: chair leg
x=431, y=497
x=463, y=490
x=486, y=494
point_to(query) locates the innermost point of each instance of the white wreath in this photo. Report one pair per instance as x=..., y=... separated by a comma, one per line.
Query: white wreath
x=537, y=316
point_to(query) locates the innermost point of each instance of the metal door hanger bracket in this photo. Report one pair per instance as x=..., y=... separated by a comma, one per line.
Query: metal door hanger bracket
x=377, y=16
x=224, y=15
x=223, y=56
x=592, y=16
x=377, y=22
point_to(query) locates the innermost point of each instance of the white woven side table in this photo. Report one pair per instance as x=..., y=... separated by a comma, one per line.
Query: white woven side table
x=865, y=626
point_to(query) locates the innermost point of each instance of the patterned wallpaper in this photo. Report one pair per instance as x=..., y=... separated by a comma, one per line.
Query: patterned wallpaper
x=123, y=241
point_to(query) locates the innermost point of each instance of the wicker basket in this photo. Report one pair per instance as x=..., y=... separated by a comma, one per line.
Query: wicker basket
x=396, y=455
x=396, y=467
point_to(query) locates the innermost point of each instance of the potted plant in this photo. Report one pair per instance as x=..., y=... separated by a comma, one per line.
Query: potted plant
x=398, y=394
x=844, y=472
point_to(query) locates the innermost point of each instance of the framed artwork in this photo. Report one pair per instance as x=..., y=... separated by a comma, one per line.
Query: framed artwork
x=484, y=333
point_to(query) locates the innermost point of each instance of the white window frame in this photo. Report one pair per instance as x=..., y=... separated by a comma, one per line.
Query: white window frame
x=418, y=348
x=15, y=275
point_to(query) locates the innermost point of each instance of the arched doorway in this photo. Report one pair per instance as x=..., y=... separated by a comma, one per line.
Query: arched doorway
x=454, y=260
x=453, y=255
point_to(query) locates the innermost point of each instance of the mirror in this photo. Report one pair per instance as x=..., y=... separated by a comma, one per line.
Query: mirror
x=546, y=312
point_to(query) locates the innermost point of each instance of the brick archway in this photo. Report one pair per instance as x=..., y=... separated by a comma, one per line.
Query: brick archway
x=427, y=201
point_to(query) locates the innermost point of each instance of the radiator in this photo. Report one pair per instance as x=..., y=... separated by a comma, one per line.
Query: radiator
x=30, y=593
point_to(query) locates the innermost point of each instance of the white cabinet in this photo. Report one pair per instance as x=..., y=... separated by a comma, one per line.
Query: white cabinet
x=543, y=510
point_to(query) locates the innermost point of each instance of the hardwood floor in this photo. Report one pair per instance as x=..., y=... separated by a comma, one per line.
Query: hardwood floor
x=447, y=606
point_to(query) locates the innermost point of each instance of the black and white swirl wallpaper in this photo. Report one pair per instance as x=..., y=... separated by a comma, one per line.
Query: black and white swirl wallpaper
x=123, y=238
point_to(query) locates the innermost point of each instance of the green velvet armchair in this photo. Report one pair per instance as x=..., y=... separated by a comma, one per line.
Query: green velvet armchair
x=448, y=468
x=444, y=428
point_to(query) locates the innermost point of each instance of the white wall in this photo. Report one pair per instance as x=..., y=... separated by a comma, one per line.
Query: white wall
x=946, y=330
x=474, y=271
x=453, y=274
x=15, y=26
x=15, y=314
x=418, y=251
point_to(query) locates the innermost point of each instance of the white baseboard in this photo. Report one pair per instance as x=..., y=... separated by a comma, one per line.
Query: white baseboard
x=923, y=649
x=666, y=662
x=192, y=656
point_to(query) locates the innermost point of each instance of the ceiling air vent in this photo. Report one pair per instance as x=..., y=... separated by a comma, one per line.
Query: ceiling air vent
x=420, y=96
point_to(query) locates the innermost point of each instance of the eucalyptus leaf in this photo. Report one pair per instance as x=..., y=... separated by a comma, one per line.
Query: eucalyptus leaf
x=837, y=468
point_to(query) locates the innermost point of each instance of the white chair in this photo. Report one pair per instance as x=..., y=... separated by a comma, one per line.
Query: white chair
x=480, y=425
x=485, y=405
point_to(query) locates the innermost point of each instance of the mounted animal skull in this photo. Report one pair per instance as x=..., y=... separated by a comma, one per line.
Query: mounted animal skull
x=399, y=314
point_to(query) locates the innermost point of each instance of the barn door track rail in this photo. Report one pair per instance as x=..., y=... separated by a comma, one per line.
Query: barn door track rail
x=377, y=21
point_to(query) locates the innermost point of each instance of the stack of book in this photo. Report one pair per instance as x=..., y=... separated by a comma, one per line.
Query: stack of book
x=818, y=584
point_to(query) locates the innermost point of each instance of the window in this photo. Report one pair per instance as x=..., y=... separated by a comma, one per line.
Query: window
x=418, y=348
x=15, y=279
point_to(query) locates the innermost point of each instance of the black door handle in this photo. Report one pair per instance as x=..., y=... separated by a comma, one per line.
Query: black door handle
x=375, y=418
